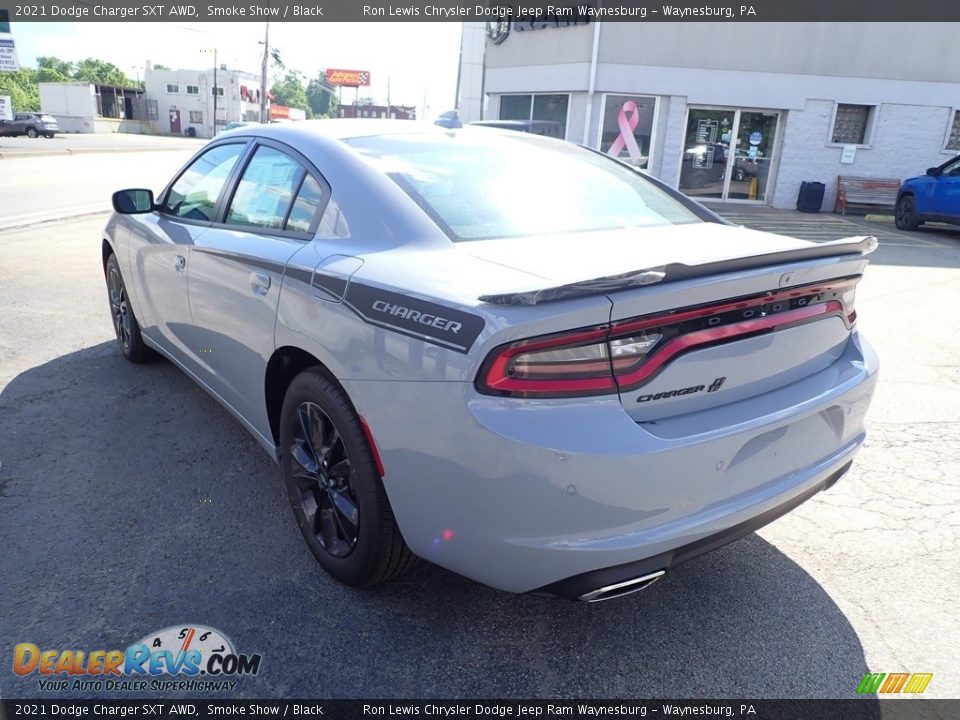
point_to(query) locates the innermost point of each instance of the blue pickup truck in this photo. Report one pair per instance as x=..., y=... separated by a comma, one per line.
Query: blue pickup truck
x=933, y=197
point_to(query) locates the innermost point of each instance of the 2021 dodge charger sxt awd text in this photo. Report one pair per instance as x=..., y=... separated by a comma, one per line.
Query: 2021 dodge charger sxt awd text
x=517, y=358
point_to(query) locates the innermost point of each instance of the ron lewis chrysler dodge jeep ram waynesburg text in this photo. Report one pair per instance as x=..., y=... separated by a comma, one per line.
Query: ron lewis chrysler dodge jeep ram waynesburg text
x=514, y=357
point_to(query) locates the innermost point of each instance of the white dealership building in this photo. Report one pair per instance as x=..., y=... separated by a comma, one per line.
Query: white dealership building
x=725, y=111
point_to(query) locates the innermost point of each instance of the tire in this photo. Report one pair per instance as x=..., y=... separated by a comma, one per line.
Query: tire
x=48, y=136
x=334, y=488
x=32, y=132
x=125, y=324
x=905, y=214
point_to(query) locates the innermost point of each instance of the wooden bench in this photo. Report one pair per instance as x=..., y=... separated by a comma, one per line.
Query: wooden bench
x=865, y=191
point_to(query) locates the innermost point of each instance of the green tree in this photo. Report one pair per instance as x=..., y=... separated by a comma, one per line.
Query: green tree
x=22, y=88
x=321, y=97
x=55, y=66
x=99, y=71
x=291, y=91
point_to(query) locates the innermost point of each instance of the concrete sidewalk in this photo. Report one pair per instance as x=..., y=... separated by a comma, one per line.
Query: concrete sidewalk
x=73, y=144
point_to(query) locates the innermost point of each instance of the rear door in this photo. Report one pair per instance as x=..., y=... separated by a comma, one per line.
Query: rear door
x=237, y=266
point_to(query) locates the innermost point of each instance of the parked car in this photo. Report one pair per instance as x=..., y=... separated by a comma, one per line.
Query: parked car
x=233, y=125
x=549, y=128
x=934, y=197
x=30, y=124
x=509, y=355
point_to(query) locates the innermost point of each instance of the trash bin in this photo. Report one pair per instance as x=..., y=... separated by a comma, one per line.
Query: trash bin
x=192, y=132
x=811, y=196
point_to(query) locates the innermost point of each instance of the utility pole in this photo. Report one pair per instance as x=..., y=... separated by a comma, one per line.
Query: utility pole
x=215, y=92
x=263, y=73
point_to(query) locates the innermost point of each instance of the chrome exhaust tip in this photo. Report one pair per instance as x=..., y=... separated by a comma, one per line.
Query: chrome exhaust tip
x=609, y=592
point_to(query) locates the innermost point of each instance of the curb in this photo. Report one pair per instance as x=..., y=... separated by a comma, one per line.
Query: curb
x=879, y=218
x=44, y=221
x=13, y=153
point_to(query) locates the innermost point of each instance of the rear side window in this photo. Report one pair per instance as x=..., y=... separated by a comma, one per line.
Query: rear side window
x=306, y=205
x=266, y=190
x=194, y=194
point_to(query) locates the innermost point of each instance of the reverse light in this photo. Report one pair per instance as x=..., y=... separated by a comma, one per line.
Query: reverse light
x=625, y=354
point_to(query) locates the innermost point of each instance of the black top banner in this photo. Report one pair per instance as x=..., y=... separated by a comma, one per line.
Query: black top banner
x=531, y=12
x=868, y=708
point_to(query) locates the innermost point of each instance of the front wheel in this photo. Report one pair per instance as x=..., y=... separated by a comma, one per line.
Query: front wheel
x=125, y=324
x=48, y=136
x=906, y=213
x=32, y=132
x=334, y=488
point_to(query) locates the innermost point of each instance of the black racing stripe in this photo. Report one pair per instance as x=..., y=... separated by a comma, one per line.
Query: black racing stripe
x=427, y=321
x=335, y=287
x=301, y=274
x=257, y=262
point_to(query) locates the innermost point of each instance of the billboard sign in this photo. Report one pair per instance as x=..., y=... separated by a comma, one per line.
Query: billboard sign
x=8, y=54
x=348, y=78
x=6, y=108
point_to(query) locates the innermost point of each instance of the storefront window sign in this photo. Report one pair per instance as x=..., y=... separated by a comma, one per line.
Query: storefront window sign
x=627, y=128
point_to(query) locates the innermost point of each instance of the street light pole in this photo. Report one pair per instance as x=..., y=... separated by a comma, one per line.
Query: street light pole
x=263, y=73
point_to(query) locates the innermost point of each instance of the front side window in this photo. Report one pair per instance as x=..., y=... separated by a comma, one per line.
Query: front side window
x=851, y=126
x=265, y=190
x=478, y=185
x=194, y=194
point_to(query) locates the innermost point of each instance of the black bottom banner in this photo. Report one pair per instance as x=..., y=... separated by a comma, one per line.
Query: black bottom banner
x=868, y=708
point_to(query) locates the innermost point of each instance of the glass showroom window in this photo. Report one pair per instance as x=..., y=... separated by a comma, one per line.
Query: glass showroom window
x=552, y=108
x=851, y=125
x=953, y=140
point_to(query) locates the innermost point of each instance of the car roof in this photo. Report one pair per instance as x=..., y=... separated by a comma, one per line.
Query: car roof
x=342, y=129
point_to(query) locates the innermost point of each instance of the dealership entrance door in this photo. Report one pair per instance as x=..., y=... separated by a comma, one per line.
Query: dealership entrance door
x=729, y=154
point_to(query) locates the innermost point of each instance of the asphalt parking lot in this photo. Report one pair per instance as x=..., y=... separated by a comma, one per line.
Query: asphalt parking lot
x=130, y=502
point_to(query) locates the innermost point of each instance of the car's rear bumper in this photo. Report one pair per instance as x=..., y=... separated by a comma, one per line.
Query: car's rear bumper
x=531, y=495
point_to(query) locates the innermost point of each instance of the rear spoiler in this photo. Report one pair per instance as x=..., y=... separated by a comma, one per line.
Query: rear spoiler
x=674, y=272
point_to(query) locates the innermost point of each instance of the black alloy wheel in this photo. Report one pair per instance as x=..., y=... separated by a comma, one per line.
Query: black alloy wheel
x=321, y=469
x=125, y=324
x=334, y=485
x=905, y=214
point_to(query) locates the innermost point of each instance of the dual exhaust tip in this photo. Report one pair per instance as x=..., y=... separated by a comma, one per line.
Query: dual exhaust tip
x=609, y=592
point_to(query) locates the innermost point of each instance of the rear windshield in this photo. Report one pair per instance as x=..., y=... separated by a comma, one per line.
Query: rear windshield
x=515, y=184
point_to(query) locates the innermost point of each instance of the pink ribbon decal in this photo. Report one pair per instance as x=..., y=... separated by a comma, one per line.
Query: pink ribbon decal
x=627, y=119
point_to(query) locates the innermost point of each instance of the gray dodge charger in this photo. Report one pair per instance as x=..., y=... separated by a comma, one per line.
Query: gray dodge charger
x=514, y=357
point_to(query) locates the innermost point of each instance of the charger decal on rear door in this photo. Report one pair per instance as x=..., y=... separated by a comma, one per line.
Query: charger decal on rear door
x=422, y=319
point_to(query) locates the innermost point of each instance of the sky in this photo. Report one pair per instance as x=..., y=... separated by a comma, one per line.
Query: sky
x=420, y=59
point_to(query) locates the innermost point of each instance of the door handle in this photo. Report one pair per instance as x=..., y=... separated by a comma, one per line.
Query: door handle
x=179, y=263
x=259, y=282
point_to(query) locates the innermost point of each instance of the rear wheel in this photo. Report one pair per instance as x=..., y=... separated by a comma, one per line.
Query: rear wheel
x=125, y=324
x=48, y=136
x=906, y=213
x=333, y=486
x=32, y=132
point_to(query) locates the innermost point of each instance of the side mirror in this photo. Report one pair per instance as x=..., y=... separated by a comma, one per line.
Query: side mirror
x=133, y=202
x=933, y=172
